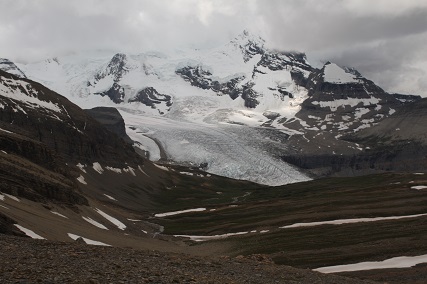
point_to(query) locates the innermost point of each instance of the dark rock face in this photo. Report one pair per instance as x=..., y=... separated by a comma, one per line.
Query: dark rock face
x=67, y=130
x=201, y=78
x=404, y=157
x=111, y=119
x=31, y=170
x=41, y=132
x=116, y=93
x=150, y=97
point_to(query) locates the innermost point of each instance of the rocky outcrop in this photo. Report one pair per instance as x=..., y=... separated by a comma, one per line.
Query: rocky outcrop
x=111, y=119
x=116, y=93
x=150, y=97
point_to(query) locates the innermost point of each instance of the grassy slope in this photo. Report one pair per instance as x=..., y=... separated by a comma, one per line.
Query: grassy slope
x=319, y=200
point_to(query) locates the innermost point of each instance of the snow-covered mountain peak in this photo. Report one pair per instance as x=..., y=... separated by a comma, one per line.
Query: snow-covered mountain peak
x=10, y=67
x=249, y=44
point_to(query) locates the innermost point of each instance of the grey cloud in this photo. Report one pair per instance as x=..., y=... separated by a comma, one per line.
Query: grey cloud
x=384, y=40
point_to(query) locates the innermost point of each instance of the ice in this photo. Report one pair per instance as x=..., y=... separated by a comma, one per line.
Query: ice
x=351, y=221
x=58, y=214
x=93, y=222
x=113, y=220
x=97, y=167
x=234, y=151
x=88, y=241
x=28, y=232
x=395, y=262
x=81, y=179
x=179, y=212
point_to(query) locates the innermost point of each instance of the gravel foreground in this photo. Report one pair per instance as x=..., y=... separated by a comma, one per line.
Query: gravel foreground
x=38, y=261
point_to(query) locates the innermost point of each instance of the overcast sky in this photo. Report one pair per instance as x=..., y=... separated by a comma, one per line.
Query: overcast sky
x=385, y=40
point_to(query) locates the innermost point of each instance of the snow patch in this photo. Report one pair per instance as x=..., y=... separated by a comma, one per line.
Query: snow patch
x=129, y=170
x=350, y=221
x=161, y=167
x=58, y=214
x=179, y=212
x=12, y=197
x=28, y=232
x=395, y=262
x=335, y=74
x=113, y=220
x=110, y=197
x=419, y=187
x=81, y=179
x=81, y=167
x=88, y=241
x=93, y=222
x=116, y=170
x=97, y=167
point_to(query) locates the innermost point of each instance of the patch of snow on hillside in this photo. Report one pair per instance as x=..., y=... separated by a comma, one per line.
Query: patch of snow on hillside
x=129, y=170
x=335, y=74
x=110, y=197
x=28, y=232
x=58, y=214
x=116, y=170
x=88, y=241
x=350, y=221
x=97, y=167
x=419, y=187
x=1, y=197
x=4, y=130
x=81, y=179
x=12, y=197
x=81, y=167
x=179, y=212
x=113, y=220
x=395, y=262
x=93, y=222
